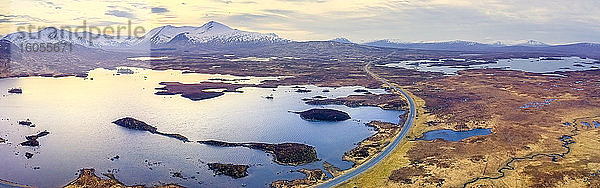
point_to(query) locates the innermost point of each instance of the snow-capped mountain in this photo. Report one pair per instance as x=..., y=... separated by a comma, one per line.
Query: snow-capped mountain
x=210, y=35
x=531, y=43
x=575, y=49
x=54, y=35
x=448, y=45
x=341, y=40
x=455, y=45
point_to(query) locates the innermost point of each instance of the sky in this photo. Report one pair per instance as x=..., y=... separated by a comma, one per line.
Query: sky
x=508, y=21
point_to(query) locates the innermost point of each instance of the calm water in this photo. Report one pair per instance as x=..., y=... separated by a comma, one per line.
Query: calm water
x=78, y=114
x=454, y=136
x=535, y=65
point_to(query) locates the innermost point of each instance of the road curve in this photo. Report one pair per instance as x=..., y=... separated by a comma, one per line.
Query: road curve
x=367, y=165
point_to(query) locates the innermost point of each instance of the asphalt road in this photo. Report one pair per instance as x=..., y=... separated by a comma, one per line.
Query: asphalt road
x=365, y=166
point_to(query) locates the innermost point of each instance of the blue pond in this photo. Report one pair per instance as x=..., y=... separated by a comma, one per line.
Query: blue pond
x=586, y=124
x=454, y=136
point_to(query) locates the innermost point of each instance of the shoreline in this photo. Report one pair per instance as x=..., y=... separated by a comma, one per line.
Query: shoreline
x=12, y=184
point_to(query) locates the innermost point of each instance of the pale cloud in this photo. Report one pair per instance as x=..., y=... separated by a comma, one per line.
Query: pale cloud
x=159, y=10
x=119, y=13
x=553, y=21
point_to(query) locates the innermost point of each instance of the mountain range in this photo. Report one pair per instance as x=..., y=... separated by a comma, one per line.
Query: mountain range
x=214, y=36
x=577, y=49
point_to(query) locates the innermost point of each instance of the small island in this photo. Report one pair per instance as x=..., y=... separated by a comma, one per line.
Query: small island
x=231, y=170
x=26, y=123
x=293, y=154
x=303, y=90
x=135, y=124
x=197, y=92
x=32, y=140
x=15, y=91
x=324, y=115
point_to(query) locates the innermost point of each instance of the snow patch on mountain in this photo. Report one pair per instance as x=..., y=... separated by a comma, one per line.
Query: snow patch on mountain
x=55, y=35
x=341, y=40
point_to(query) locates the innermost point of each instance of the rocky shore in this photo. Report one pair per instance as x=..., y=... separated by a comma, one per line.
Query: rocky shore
x=293, y=154
x=312, y=178
x=334, y=171
x=135, y=124
x=88, y=178
x=324, y=115
x=231, y=170
x=374, y=144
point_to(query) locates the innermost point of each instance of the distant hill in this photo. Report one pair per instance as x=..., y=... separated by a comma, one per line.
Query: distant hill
x=577, y=49
x=450, y=45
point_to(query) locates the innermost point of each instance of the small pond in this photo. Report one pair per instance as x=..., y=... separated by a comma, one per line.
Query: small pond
x=454, y=136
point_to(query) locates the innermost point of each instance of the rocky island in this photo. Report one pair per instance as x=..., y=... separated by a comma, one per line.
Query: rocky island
x=324, y=115
x=26, y=123
x=293, y=154
x=135, y=124
x=32, y=140
x=231, y=170
x=15, y=91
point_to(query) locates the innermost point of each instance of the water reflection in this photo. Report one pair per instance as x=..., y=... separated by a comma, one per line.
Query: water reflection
x=78, y=114
x=454, y=136
x=535, y=65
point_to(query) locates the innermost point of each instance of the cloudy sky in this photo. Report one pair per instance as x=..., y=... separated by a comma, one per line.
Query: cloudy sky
x=549, y=21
